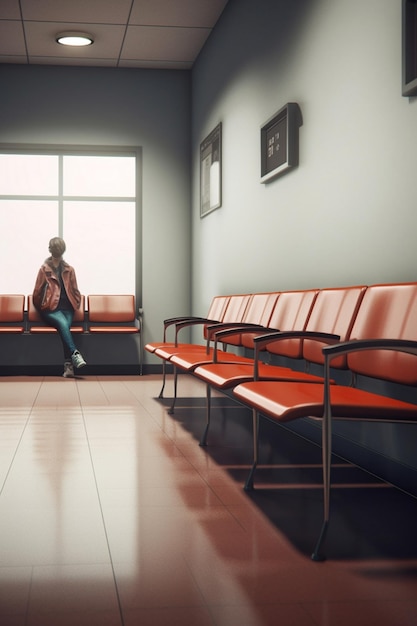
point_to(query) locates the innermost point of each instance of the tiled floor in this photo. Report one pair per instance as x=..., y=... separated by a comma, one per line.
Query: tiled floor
x=111, y=515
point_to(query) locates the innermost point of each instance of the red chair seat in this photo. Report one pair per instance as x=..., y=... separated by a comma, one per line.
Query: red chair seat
x=190, y=360
x=166, y=351
x=223, y=376
x=44, y=330
x=284, y=403
x=11, y=329
x=113, y=329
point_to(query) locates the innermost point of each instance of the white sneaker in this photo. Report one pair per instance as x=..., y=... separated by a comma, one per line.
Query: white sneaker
x=68, y=370
x=77, y=359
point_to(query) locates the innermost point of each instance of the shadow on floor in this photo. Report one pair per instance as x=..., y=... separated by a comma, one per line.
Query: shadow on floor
x=369, y=518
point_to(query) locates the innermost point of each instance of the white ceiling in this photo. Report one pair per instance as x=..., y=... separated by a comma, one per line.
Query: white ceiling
x=127, y=33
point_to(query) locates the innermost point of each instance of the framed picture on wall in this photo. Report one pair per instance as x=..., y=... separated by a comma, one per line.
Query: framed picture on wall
x=409, y=47
x=279, y=142
x=211, y=172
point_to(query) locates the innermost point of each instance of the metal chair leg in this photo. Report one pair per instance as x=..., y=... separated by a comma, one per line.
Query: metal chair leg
x=140, y=353
x=327, y=455
x=317, y=554
x=161, y=393
x=203, y=440
x=255, y=421
x=174, y=399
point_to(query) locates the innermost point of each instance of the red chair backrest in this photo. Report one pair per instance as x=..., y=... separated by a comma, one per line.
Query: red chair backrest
x=218, y=307
x=259, y=311
x=292, y=311
x=217, y=310
x=334, y=311
x=111, y=308
x=387, y=312
x=12, y=307
x=235, y=312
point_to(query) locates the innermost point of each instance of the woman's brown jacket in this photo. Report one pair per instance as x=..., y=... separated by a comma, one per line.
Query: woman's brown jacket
x=47, y=290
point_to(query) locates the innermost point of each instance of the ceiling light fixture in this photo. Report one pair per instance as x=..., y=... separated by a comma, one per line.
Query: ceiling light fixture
x=74, y=39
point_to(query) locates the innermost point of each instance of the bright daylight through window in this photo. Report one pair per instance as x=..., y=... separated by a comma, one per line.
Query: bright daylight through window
x=89, y=199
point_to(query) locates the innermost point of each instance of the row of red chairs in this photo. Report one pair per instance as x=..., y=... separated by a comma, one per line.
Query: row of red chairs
x=103, y=314
x=99, y=314
x=369, y=332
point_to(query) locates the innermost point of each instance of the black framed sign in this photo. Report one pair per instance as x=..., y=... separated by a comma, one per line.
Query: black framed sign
x=409, y=47
x=279, y=142
x=211, y=172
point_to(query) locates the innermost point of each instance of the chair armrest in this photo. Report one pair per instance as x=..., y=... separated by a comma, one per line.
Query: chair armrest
x=356, y=345
x=140, y=319
x=218, y=331
x=235, y=328
x=225, y=330
x=180, y=318
x=191, y=321
x=263, y=340
x=175, y=320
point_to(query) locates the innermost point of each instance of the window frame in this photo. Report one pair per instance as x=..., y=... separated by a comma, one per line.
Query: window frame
x=62, y=150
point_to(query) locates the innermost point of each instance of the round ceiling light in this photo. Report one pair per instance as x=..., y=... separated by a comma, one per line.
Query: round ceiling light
x=74, y=39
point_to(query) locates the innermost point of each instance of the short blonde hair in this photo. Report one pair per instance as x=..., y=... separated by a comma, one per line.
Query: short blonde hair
x=57, y=247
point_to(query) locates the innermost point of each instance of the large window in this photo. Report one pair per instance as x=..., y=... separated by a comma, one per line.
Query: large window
x=88, y=197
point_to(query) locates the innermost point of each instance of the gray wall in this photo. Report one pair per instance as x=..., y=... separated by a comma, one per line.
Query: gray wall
x=102, y=106
x=348, y=213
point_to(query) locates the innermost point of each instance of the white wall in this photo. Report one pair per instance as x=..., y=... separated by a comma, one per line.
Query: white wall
x=348, y=213
x=123, y=107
